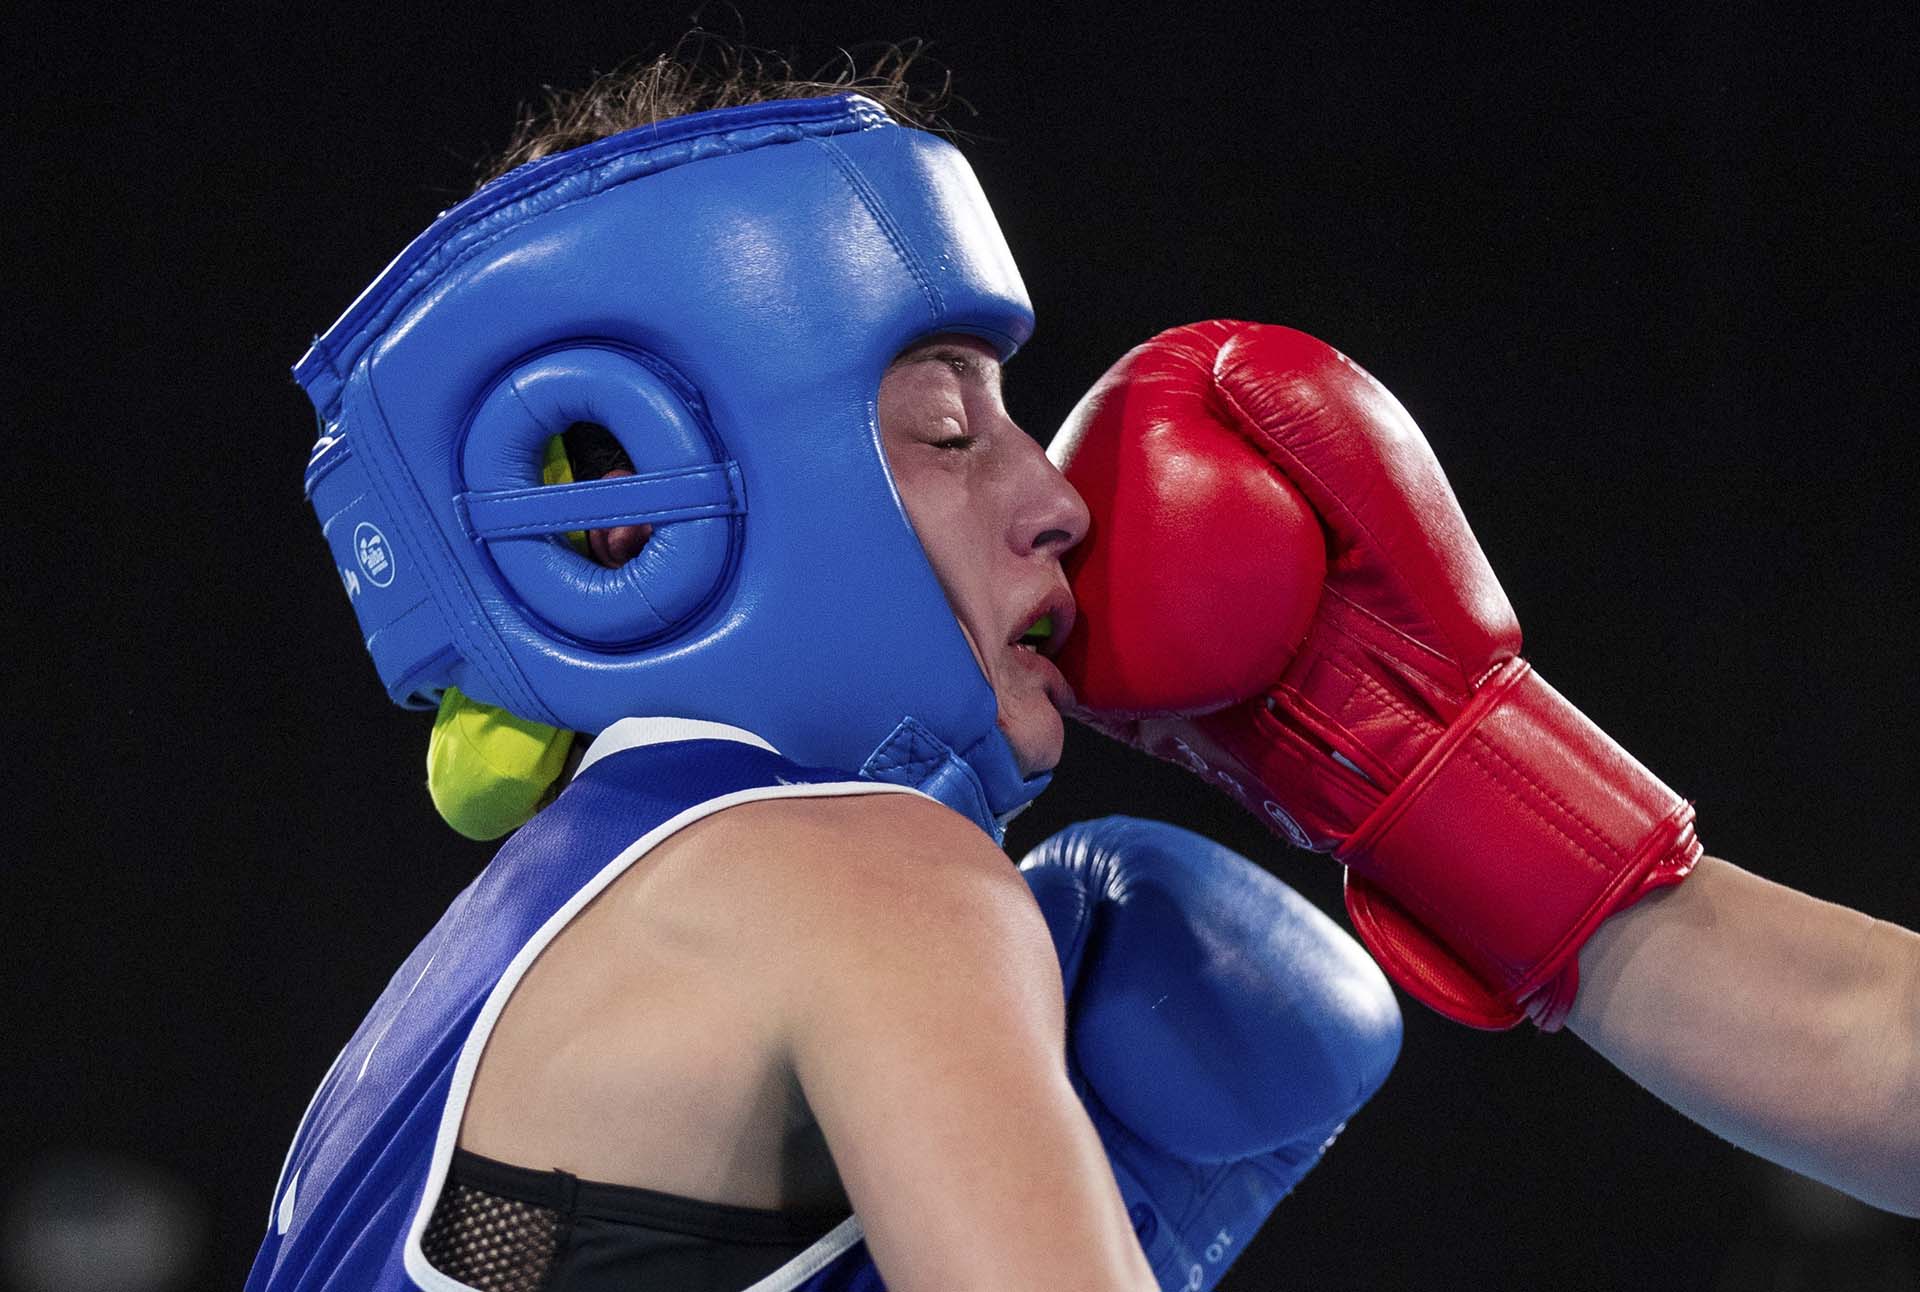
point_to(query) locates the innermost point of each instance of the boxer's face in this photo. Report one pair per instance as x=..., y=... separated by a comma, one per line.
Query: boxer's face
x=995, y=517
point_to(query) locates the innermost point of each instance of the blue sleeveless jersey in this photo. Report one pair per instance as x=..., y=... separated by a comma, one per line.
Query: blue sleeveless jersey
x=371, y=1154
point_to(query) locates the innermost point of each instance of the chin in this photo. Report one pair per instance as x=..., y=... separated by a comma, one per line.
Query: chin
x=1036, y=742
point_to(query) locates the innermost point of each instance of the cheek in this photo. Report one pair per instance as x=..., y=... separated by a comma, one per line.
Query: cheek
x=938, y=502
x=951, y=533
x=955, y=531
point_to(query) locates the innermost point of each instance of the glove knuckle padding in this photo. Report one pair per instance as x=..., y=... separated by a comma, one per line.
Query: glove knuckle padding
x=1173, y=496
x=1221, y=1029
x=1391, y=516
x=1189, y=969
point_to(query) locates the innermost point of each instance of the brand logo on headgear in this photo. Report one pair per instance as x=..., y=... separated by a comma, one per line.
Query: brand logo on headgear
x=375, y=556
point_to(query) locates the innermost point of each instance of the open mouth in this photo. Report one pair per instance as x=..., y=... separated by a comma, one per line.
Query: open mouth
x=1038, y=637
x=1049, y=622
x=1043, y=639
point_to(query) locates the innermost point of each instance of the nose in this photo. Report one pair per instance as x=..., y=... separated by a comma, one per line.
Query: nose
x=1053, y=516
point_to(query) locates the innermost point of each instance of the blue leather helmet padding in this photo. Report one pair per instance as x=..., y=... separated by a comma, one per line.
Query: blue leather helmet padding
x=723, y=292
x=680, y=477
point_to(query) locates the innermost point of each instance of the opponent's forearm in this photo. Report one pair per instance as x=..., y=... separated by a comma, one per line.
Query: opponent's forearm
x=1788, y=1025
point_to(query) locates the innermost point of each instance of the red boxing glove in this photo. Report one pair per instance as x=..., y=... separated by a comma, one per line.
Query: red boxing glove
x=1384, y=716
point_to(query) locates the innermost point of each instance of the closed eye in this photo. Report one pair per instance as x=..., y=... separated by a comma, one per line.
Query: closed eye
x=958, y=442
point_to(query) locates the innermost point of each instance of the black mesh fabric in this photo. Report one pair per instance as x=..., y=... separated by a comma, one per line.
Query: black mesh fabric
x=491, y=1243
x=504, y=1228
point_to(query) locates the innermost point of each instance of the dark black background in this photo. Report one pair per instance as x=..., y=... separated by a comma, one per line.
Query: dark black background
x=1644, y=275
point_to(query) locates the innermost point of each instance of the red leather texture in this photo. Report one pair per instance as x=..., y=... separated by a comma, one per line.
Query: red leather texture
x=1185, y=486
x=1488, y=826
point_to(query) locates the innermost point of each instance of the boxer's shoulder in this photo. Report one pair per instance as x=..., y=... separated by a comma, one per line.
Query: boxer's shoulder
x=830, y=895
x=828, y=857
x=786, y=879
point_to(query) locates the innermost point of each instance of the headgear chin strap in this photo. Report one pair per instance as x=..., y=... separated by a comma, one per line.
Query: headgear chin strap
x=723, y=293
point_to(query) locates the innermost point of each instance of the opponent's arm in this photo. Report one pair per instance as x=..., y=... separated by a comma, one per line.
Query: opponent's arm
x=926, y=1025
x=1788, y=1025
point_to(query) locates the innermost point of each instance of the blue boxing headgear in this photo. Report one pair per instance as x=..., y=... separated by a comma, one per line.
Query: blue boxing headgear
x=723, y=293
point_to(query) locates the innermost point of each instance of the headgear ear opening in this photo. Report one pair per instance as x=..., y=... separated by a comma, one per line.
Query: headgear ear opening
x=682, y=486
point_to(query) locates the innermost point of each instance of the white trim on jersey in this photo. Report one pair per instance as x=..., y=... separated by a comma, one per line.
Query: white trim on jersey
x=829, y=1248
x=280, y=1210
x=631, y=733
x=624, y=734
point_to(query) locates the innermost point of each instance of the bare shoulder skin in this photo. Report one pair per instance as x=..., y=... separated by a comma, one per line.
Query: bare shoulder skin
x=790, y=985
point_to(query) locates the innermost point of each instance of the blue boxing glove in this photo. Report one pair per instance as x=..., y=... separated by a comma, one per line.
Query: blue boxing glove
x=1220, y=1030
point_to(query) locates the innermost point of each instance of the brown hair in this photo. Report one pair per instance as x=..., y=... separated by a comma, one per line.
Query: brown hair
x=704, y=71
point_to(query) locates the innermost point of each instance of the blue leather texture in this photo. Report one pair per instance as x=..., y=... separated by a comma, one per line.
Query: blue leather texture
x=1221, y=1030
x=723, y=292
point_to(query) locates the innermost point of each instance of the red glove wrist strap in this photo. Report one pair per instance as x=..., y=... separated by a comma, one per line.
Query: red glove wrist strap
x=1480, y=876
